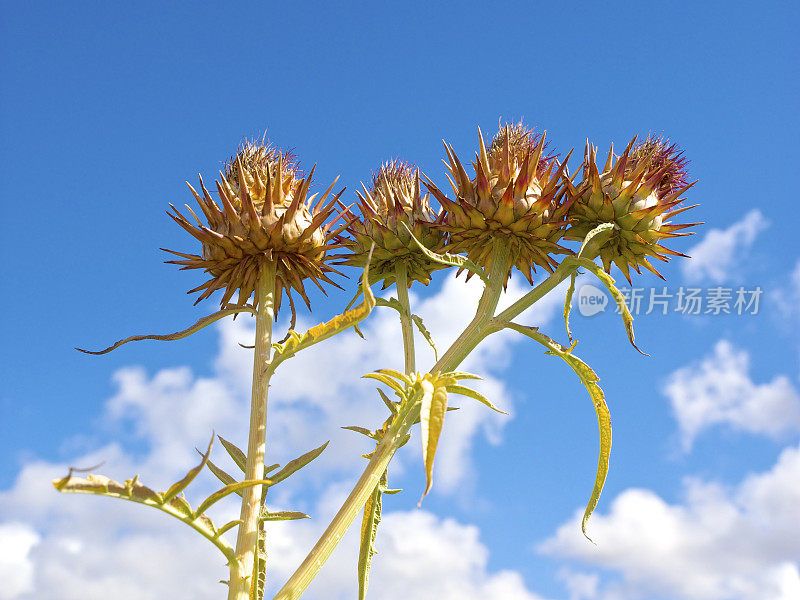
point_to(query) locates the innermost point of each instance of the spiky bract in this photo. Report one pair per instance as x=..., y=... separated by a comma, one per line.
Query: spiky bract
x=393, y=203
x=266, y=215
x=515, y=196
x=637, y=192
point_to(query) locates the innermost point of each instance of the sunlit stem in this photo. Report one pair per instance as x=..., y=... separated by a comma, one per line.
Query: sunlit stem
x=242, y=569
x=481, y=325
x=384, y=452
x=562, y=272
x=409, y=413
x=401, y=278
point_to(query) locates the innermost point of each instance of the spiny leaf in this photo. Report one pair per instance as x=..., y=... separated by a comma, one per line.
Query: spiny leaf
x=465, y=391
x=450, y=260
x=589, y=379
x=395, y=304
x=227, y=490
x=297, y=464
x=204, y=322
x=593, y=240
x=432, y=411
x=177, y=487
x=369, y=529
x=282, y=515
x=390, y=303
x=259, y=577
x=323, y=331
x=236, y=453
x=568, y=304
x=363, y=431
x=134, y=491
x=426, y=334
x=608, y=281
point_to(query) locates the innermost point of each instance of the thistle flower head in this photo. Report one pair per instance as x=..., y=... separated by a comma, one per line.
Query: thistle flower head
x=264, y=214
x=638, y=192
x=515, y=196
x=390, y=207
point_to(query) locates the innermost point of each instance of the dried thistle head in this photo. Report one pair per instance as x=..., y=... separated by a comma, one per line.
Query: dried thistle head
x=264, y=214
x=515, y=195
x=392, y=203
x=637, y=192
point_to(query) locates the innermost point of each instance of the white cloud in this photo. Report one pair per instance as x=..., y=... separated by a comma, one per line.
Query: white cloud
x=718, y=544
x=787, y=298
x=717, y=256
x=16, y=568
x=86, y=547
x=718, y=390
x=420, y=556
x=580, y=585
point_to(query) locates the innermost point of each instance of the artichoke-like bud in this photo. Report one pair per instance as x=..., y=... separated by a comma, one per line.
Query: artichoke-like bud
x=392, y=204
x=638, y=192
x=515, y=195
x=265, y=215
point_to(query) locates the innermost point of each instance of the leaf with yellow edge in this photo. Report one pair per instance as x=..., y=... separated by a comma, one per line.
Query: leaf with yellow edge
x=426, y=334
x=396, y=374
x=589, y=379
x=323, y=331
x=450, y=260
x=470, y=393
x=591, y=243
x=134, y=491
x=608, y=282
x=432, y=411
x=388, y=381
x=568, y=304
x=369, y=530
x=227, y=490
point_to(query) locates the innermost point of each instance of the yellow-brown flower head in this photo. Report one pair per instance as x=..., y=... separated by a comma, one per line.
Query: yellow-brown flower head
x=515, y=196
x=637, y=192
x=265, y=215
x=393, y=203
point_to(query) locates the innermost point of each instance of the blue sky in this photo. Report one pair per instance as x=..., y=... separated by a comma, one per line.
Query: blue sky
x=107, y=111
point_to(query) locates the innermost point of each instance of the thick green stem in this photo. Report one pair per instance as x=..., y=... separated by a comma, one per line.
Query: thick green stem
x=241, y=569
x=401, y=279
x=481, y=325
